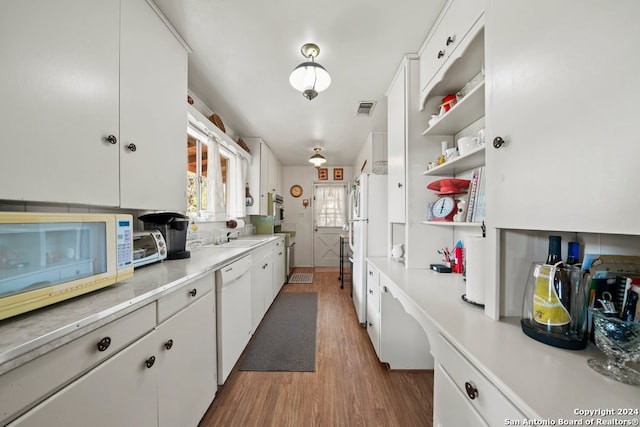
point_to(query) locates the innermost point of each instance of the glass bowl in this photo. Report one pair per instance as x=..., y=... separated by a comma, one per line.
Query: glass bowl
x=619, y=340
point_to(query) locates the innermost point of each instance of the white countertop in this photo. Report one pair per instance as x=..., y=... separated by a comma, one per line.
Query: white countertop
x=544, y=382
x=27, y=336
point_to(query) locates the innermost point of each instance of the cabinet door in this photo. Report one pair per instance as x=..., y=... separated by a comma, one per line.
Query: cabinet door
x=264, y=179
x=261, y=287
x=273, y=173
x=434, y=54
x=396, y=128
x=373, y=328
x=565, y=103
x=119, y=392
x=153, y=112
x=187, y=361
x=279, y=267
x=461, y=16
x=59, y=86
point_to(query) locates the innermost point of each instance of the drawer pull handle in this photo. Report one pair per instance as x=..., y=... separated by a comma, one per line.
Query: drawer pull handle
x=111, y=139
x=132, y=147
x=440, y=54
x=371, y=291
x=168, y=344
x=450, y=40
x=104, y=344
x=471, y=389
x=370, y=325
x=193, y=292
x=150, y=361
x=498, y=142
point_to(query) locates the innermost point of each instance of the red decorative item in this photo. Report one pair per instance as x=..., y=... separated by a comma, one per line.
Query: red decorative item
x=189, y=100
x=448, y=102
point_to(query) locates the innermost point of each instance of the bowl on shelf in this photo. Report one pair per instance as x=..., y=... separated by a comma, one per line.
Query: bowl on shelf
x=619, y=340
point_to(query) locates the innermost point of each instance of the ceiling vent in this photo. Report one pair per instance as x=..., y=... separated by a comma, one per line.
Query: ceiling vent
x=365, y=108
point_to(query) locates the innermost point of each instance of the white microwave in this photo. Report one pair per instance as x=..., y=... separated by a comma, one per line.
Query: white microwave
x=46, y=257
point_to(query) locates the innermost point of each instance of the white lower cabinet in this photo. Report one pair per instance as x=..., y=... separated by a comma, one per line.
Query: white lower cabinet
x=119, y=392
x=464, y=396
x=261, y=284
x=373, y=328
x=187, y=382
x=279, y=266
x=166, y=378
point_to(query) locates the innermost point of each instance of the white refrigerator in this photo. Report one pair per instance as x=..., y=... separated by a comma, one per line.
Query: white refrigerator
x=368, y=232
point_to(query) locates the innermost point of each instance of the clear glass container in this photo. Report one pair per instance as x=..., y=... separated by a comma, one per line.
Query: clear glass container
x=554, y=307
x=619, y=340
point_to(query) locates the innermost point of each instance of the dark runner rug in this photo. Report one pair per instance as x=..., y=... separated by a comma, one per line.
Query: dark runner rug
x=286, y=338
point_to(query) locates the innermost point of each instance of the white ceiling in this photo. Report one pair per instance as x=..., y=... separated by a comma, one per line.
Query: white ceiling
x=244, y=51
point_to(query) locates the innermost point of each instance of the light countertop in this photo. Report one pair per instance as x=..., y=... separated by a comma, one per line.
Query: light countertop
x=544, y=382
x=27, y=336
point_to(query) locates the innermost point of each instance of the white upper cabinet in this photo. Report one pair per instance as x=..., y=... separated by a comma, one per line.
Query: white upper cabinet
x=396, y=140
x=82, y=81
x=562, y=89
x=153, y=112
x=59, y=84
x=263, y=177
x=451, y=36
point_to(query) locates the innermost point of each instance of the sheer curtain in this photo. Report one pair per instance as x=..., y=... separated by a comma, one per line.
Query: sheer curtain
x=215, y=186
x=235, y=183
x=331, y=210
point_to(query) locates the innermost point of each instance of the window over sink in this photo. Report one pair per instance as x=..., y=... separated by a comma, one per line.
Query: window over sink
x=214, y=178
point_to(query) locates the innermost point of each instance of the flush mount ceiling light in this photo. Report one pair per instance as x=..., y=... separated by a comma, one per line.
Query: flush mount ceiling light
x=310, y=78
x=317, y=159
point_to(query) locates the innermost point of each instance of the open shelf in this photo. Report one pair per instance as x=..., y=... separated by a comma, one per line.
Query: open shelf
x=450, y=223
x=471, y=160
x=466, y=111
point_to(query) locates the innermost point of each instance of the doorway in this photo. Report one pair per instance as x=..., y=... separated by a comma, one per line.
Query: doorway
x=329, y=220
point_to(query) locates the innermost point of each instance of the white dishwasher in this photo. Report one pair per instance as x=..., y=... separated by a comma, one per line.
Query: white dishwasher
x=233, y=304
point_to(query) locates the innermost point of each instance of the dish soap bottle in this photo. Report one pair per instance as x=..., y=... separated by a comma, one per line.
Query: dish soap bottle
x=248, y=198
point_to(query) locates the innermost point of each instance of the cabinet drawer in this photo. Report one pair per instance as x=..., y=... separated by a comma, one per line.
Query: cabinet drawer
x=30, y=383
x=492, y=405
x=450, y=407
x=373, y=287
x=183, y=296
x=262, y=252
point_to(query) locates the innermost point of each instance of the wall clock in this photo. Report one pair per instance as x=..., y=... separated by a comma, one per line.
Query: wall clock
x=296, y=190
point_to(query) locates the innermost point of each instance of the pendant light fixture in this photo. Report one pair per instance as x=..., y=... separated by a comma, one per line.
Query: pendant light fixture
x=310, y=78
x=317, y=159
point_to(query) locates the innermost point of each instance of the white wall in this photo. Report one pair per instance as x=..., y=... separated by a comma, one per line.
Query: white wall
x=297, y=218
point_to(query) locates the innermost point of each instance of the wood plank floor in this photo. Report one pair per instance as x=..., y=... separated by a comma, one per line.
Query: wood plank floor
x=349, y=388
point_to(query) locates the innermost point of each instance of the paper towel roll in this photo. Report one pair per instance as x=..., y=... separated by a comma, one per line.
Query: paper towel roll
x=475, y=265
